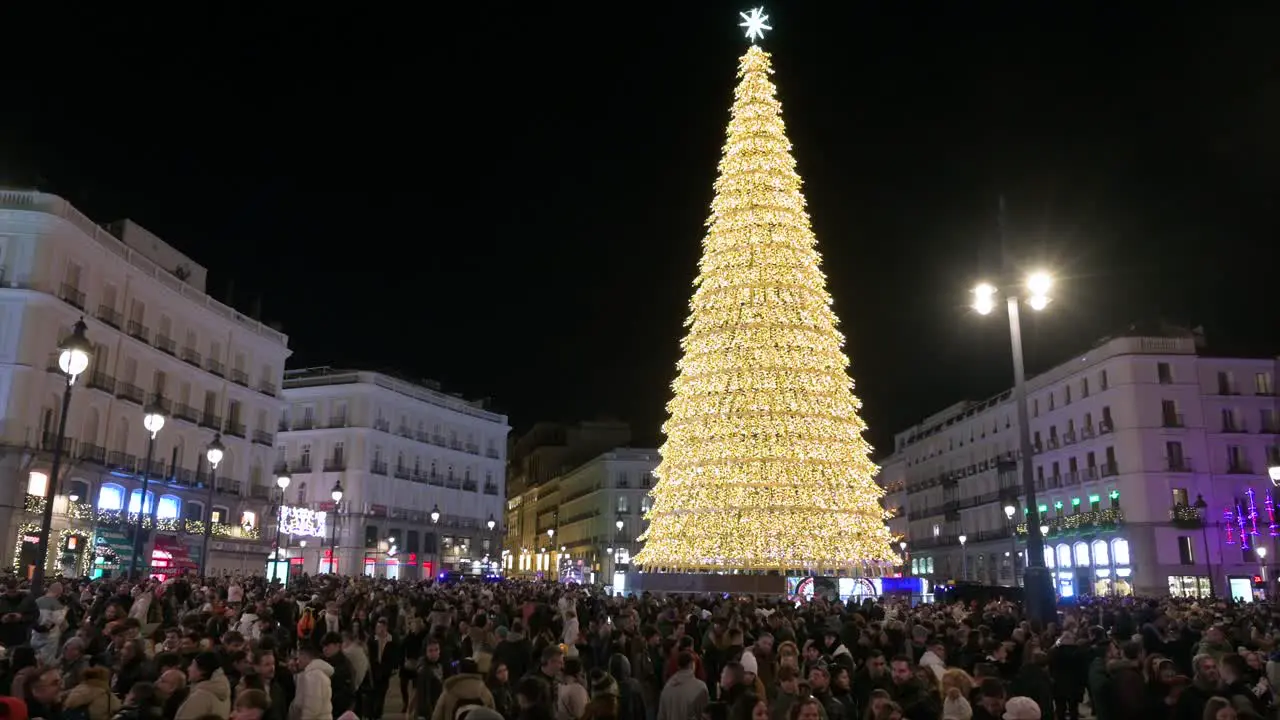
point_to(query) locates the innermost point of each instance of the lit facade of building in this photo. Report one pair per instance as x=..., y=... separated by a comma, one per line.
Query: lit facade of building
x=1127, y=438
x=156, y=335
x=399, y=449
x=582, y=508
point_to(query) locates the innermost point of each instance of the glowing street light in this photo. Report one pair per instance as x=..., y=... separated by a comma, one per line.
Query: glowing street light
x=984, y=298
x=214, y=454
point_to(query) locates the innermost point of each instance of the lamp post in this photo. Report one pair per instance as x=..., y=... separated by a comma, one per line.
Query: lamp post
x=1040, y=599
x=213, y=454
x=336, y=494
x=435, y=520
x=1261, y=552
x=906, y=558
x=1202, y=512
x=282, y=481
x=964, y=557
x=1009, y=510
x=74, y=354
x=153, y=421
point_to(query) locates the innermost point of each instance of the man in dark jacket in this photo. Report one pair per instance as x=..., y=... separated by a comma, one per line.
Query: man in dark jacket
x=17, y=615
x=515, y=651
x=343, y=679
x=384, y=660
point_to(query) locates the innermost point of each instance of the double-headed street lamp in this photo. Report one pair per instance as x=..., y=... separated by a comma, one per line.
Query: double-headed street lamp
x=74, y=354
x=153, y=421
x=1040, y=601
x=964, y=557
x=213, y=454
x=435, y=520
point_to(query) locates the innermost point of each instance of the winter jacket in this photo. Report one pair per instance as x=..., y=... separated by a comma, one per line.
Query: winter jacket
x=207, y=697
x=459, y=691
x=314, y=698
x=683, y=697
x=95, y=697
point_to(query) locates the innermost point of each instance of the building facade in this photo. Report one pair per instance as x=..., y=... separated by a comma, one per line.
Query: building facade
x=1151, y=471
x=583, y=524
x=398, y=449
x=157, y=337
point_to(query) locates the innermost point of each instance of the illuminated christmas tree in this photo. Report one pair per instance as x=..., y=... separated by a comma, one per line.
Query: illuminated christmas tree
x=765, y=466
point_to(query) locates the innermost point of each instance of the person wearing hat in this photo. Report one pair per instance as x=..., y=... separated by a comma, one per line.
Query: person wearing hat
x=1021, y=708
x=604, y=697
x=462, y=692
x=210, y=692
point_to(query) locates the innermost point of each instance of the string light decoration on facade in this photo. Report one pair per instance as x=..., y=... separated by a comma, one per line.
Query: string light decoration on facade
x=764, y=466
x=302, y=521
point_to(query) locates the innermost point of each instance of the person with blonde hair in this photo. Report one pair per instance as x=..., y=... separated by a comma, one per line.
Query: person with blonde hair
x=956, y=688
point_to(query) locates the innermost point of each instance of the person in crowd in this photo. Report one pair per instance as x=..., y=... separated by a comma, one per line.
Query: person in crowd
x=684, y=696
x=210, y=691
x=92, y=698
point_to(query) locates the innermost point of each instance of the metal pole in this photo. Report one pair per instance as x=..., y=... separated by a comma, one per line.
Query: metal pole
x=142, y=508
x=1208, y=559
x=1013, y=551
x=50, y=491
x=1040, y=601
x=333, y=542
x=208, y=525
x=275, y=564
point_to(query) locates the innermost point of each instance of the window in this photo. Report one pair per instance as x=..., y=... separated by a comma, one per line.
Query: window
x=37, y=484
x=1101, y=557
x=1066, y=395
x=1230, y=422
x=1237, y=461
x=134, y=499
x=1270, y=420
x=1169, y=415
x=1107, y=423
x=304, y=458
x=1035, y=408
x=110, y=497
x=1165, y=373
x=193, y=511
x=1175, y=460
x=1084, y=387
x=1082, y=554
x=1051, y=399
x=1120, y=551
x=1262, y=384
x=1180, y=497
x=1186, y=551
x=1103, y=384
x=339, y=453
x=1226, y=383
x=622, y=504
x=158, y=383
x=646, y=503
x=219, y=514
x=168, y=507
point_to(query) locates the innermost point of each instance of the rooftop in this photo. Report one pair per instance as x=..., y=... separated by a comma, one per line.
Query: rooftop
x=427, y=391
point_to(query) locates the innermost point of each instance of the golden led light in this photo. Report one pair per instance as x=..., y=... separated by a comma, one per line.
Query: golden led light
x=1038, y=302
x=764, y=466
x=1039, y=283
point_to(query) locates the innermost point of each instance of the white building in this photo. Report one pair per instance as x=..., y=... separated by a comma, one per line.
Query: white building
x=399, y=449
x=583, y=507
x=1127, y=436
x=155, y=332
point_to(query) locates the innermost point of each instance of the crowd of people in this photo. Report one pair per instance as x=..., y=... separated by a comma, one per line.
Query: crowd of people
x=343, y=648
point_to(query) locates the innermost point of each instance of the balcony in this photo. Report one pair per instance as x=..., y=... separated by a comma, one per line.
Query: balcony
x=439, y=440
x=1234, y=427
x=491, y=489
x=435, y=479
x=138, y=331
x=491, y=453
x=1173, y=420
x=303, y=466
x=402, y=472
x=1081, y=523
x=235, y=429
x=71, y=294
x=337, y=421
x=167, y=345
x=182, y=411
x=404, y=431
x=1225, y=388
x=108, y=315
x=191, y=356
x=240, y=377
x=211, y=421
x=123, y=461
x=335, y=464
x=1185, y=516
x=382, y=424
x=1239, y=467
x=261, y=492
x=1109, y=469
x=262, y=437
x=99, y=380
x=1177, y=464
x=215, y=366
x=130, y=392
x=49, y=439
x=306, y=423
x=92, y=453
x=267, y=388
x=469, y=485
x=378, y=467
x=473, y=448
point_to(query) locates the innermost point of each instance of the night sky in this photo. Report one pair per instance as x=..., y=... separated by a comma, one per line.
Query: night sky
x=511, y=200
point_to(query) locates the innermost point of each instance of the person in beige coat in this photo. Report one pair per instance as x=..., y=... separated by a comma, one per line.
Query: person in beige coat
x=210, y=690
x=465, y=689
x=93, y=693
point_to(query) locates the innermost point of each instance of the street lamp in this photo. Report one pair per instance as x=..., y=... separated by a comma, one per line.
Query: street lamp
x=491, y=522
x=1274, y=473
x=1040, y=599
x=213, y=454
x=282, y=481
x=336, y=494
x=74, y=354
x=1202, y=513
x=153, y=422
x=435, y=519
x=1009, y=510
x=902, y=545
x=1261, y=552
x=964, y=557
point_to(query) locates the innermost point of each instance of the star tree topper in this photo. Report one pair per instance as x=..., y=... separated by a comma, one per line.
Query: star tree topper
x=754, y=22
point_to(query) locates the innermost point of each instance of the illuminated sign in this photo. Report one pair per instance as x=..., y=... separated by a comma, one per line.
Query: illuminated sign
x=302, y=521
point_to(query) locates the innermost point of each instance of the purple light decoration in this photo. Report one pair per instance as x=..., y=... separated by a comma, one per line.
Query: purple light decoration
x=1253, y=511
x=1244, y=537
x=1227, y=518
x=1271, y=513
